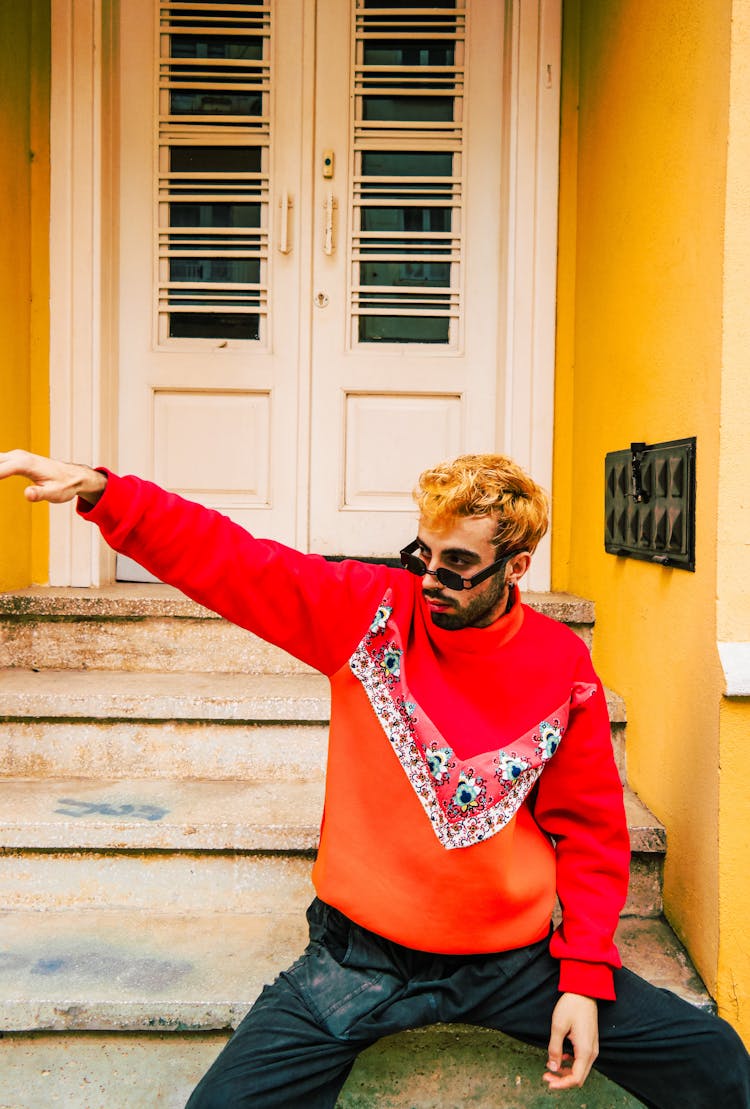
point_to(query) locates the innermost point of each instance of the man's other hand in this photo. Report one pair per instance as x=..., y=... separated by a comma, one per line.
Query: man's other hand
x=53, y=481
x=577, y=1019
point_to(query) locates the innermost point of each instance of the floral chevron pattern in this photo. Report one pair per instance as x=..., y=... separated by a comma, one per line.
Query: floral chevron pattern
x=466, y=801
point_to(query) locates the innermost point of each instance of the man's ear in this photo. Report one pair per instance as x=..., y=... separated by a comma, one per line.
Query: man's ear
x=517, y=566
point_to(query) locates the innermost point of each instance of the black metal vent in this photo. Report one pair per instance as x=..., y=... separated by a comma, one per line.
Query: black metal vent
x=649, y=503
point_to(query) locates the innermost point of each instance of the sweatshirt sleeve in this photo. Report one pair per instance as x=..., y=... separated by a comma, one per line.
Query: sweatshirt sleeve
x=580, y=804
x=310, y=607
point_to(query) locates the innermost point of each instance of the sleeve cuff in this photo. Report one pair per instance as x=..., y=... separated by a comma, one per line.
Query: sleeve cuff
x=589, y=979
x=88, y=510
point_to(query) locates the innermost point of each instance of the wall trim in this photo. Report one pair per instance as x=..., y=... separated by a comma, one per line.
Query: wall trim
x=80, y=44
x=735, y=662
x=534, y=38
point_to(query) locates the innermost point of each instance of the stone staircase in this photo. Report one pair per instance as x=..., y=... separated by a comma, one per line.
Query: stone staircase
x=161, y=782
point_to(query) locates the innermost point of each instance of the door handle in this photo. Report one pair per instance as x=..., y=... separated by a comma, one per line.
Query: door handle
x=285, y=206
x=329, y=237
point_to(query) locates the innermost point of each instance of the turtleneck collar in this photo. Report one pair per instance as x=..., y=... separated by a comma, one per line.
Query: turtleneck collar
x=474, y=640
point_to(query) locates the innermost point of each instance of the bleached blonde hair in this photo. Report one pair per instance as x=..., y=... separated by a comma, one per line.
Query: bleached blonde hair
x=485, y=485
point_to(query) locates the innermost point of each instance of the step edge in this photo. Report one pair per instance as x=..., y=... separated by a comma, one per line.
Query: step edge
x=683, y=980
x=121, y=601
x=314, y=705
x=647, y=834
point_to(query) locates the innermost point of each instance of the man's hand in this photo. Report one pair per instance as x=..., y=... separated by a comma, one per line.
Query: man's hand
x=53, y=481
x=576, y=1018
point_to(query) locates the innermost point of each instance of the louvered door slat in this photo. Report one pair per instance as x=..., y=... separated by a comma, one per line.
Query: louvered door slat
x=214, y=89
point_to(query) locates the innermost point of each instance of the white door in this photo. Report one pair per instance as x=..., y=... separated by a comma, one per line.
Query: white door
x=406, y=258
x=209, y=262
x=312, y=259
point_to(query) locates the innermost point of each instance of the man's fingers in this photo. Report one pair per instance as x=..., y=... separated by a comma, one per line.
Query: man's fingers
x=556, y=1072
x=24, y=464
x=564, y=1081
x=555, y=1048
x=36, y=493
x=568, y=1078
x=15, y=462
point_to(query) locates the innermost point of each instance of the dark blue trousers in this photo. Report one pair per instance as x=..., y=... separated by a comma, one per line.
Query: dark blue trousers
x=299, y=1041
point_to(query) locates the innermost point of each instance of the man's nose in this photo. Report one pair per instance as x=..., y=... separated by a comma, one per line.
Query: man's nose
x=430, y=580
x=433, y=565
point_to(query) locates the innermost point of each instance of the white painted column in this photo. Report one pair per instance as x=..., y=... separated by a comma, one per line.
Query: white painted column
x=534, y=41
x=75, y=270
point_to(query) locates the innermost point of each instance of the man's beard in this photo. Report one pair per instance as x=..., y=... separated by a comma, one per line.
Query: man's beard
x=476, y=614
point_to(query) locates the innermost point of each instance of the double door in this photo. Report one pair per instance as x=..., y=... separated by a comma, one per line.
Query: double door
x=312, y=260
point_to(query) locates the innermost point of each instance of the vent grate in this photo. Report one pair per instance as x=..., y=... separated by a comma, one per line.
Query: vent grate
x=649, y=503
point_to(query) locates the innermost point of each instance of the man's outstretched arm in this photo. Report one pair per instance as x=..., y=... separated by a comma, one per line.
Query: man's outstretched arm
x=56, y=482
x=314, y=609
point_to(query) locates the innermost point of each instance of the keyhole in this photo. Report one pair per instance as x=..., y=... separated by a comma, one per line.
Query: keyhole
x=321, y=300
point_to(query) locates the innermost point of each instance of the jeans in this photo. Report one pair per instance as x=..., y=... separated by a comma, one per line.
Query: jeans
x=299, y=1041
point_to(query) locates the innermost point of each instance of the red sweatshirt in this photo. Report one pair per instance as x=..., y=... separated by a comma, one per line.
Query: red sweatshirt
x=470, y=773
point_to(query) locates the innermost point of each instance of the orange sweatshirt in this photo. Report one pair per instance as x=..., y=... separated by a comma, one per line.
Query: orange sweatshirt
x=470, y=773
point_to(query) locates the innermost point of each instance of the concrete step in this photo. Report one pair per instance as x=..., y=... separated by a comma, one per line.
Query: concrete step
x=154, y=628
x=190, y=979
x=648, y=844
x=118, y=695
x=53, y=814
x=444, y=1067
x=108, y=970
x=102, y=725
x=128, y=627
x=202, y=844
x=154, y=882
x=111, y=724
x=107, y=749
x=48, y=813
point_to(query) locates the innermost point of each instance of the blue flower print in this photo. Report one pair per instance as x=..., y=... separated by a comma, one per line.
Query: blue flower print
x=382, y=617
x=511, y=767
x=549, y=739
x=391, y=662
x=438, y=760
x=407, y=710
x=467, y=795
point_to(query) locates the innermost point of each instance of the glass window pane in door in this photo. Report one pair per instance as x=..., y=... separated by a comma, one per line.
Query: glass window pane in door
x=403, y=329
x=217, y=325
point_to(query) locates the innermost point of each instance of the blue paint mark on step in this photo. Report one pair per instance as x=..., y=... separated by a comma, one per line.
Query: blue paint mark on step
x=70, y=806
x=149, y=974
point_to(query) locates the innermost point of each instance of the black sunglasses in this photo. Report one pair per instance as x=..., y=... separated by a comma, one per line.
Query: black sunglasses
x=449, y=578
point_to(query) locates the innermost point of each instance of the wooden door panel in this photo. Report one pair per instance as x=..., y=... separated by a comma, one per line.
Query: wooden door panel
x=406, y=351
x=210, y=258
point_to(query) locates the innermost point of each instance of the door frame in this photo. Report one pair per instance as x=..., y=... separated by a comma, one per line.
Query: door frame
x=83, y=255
x=83, y=242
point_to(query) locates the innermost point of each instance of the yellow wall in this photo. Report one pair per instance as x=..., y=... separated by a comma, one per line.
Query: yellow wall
x=24, y=284
x=733, y=986
x=733, y=594
x=734, y=519
x=639, y=358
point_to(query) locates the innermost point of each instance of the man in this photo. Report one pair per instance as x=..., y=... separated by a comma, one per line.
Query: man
x=470, y=781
